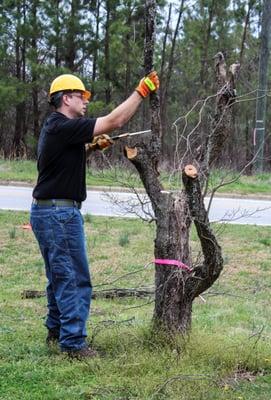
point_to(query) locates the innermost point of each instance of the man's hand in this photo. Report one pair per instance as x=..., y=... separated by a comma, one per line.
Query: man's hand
x=148, y=85
x=99, y=142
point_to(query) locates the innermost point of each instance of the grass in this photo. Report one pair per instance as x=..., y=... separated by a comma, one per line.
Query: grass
x=25, y=171
x=226, y=357
x=20, y=170
x=250, y=184
x=124, y=239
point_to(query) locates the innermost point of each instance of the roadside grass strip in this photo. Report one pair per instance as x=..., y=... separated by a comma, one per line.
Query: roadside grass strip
x=125, y=177
x=227, y=355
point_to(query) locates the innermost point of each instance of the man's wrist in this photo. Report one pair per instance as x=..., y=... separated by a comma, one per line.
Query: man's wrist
x=139, y=94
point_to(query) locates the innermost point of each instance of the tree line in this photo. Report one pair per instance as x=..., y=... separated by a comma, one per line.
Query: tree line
x=102, y=41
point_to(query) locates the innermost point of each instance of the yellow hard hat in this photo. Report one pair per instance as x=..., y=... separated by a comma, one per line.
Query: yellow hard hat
x=68, y=82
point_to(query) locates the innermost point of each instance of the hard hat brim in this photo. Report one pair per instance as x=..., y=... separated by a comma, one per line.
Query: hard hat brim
x=87, y=94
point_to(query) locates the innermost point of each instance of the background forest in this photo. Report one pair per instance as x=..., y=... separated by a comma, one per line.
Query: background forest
x=102, y=41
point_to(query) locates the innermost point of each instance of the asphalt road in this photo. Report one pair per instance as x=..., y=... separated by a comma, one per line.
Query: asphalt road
x=233, y=210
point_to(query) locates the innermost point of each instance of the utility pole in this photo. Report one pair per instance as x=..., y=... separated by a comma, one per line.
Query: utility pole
x=262, y=87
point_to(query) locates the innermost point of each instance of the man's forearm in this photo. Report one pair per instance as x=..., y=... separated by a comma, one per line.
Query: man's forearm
x=124, y=112
x=119, y=116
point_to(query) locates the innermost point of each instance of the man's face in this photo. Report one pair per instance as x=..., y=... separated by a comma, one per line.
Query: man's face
x=77, y=103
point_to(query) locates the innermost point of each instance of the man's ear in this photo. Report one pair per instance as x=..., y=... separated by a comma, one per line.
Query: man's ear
x=65, y=99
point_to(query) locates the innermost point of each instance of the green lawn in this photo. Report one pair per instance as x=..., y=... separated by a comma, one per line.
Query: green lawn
x=226, y=357
x=25, y=171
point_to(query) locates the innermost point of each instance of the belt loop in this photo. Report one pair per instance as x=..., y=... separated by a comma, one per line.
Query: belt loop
x=53, y=202
x=77, y=204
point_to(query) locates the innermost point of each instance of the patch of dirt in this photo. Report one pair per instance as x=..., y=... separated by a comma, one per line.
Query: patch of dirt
x=97, y=311
x=241, y=375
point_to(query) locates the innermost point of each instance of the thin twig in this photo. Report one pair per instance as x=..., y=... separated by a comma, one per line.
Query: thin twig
x=124, y=275
x=139, y=306
x=194, y=377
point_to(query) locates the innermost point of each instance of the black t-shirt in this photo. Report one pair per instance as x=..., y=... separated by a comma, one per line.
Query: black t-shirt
x=62, y=157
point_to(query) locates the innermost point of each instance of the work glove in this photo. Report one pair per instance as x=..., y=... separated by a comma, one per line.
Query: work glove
x=148, y=84
x=100, y=142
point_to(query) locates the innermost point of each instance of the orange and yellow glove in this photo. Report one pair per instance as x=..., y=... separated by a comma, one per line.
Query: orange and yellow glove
x=99, y=142
x=148, y=84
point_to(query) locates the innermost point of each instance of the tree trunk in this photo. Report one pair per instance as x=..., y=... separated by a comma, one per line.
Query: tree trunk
x=177, y=280
x=262, y=87
x=204, y=57
x=95, y=51
x=173, y=306
x=20, y=49
x=107, y=72
x=163, y=55
x=166, y=147
x=127, y=40
x=222, y=125
x=34, y=73
x=57, y=35
x=70, y=53
x=244, y=36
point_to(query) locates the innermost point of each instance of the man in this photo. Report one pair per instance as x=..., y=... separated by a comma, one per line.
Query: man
x=55, y=213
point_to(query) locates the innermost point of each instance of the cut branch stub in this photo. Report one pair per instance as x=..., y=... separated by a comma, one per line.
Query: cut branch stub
x=191, y=171
x=130, y=152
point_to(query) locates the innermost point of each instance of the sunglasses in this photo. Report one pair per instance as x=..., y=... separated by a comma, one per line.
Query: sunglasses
x=85, y=96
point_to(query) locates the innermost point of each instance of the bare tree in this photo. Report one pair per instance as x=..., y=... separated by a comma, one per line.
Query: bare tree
x=177, y=280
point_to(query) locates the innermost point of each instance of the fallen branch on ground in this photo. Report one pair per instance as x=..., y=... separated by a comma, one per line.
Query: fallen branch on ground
x=105, y=294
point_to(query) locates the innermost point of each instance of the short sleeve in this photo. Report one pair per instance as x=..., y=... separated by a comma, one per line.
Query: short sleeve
x=76, y=130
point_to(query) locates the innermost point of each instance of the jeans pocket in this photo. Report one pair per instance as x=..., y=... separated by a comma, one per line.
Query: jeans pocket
x=64, y=215
x=68, y=230
x=42, y=231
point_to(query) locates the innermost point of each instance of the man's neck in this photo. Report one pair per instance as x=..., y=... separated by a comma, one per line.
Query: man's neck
x=65, y=111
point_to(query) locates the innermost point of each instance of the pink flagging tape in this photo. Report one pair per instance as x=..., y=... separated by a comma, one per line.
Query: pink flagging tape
x=177, y=263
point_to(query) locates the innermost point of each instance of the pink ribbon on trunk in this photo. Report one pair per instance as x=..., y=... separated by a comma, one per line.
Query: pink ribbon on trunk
x=176, y=263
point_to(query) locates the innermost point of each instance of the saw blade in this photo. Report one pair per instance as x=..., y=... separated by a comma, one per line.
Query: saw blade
x=128, y=134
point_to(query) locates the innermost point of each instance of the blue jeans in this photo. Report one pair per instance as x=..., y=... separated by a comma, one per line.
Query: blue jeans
x=60, y=234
